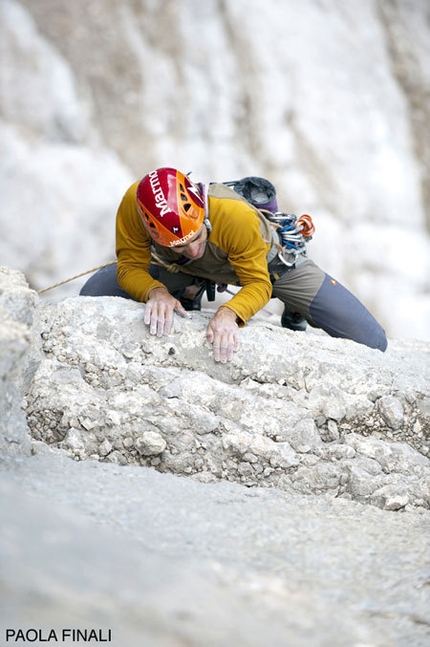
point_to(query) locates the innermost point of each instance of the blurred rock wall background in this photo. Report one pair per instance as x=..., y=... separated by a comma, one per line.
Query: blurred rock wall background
x=328, y=99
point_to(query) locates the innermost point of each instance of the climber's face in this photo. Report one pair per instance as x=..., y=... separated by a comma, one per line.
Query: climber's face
x=196, y=247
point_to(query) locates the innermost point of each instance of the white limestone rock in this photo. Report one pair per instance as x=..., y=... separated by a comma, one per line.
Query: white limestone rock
x=18, y=350
x=299, y=411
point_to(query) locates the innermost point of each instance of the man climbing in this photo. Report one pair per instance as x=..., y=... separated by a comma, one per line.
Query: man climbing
x=175, y=238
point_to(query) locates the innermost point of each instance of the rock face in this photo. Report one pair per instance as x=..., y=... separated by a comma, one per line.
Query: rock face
x=328, y=100
x=295, y=435
x=300, y=412
x=17, y=344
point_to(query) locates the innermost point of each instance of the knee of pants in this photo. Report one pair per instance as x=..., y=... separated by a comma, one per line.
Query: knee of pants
x=104, y=284
x=337, y=311
x=175, y=283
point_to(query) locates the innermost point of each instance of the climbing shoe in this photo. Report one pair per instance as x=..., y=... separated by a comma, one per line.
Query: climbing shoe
x=293, y=320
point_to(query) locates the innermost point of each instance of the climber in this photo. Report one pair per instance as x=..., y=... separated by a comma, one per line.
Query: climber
x=174, y=238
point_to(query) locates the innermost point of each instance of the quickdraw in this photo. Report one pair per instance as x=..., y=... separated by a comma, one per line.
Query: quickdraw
x=293, y=234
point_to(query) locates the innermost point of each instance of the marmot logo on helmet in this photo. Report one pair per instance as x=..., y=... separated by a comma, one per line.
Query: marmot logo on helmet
x=181, y=241
x=160, y=200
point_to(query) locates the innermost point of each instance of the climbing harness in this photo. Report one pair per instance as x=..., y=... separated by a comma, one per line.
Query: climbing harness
x=206, y=284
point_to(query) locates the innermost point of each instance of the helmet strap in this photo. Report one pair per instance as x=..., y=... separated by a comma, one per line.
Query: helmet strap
x=203, y=188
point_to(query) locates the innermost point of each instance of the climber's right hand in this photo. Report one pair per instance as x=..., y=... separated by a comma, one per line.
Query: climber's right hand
x=159, y=311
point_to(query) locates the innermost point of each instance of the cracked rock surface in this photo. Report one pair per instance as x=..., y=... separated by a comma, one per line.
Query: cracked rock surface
x=281, y=499
x=300, y=412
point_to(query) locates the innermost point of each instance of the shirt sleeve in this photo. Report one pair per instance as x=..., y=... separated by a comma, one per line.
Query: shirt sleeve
x=247, y=253
x=133, y=250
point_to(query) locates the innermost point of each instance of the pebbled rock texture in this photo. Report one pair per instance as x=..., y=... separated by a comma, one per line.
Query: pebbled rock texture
x=301, y=412
x=308, y=427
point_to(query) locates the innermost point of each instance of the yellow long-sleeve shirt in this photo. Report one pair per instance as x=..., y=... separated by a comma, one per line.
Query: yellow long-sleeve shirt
x=236, y=251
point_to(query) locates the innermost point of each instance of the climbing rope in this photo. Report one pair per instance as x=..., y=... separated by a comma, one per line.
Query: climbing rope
x=170, y=266
x=77, y=276
x=157, y=260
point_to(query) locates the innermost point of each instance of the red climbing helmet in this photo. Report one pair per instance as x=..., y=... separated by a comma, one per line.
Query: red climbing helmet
x=171, y=206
